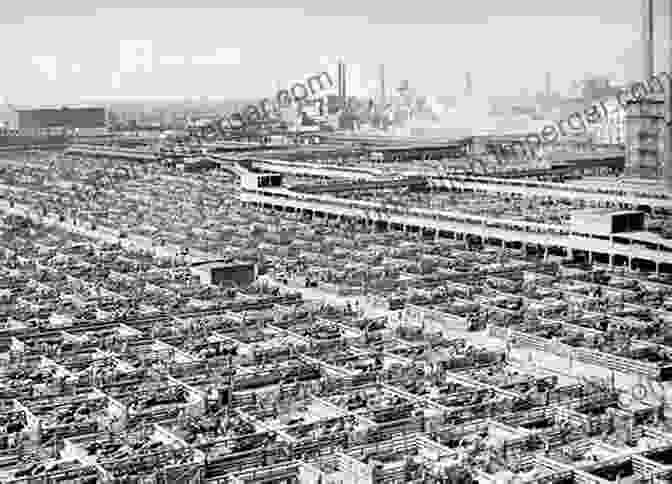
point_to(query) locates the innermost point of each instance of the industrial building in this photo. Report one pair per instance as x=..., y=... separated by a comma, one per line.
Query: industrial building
x=648, y=138
x=645, y=138
x=16, y=142
x=61, y=120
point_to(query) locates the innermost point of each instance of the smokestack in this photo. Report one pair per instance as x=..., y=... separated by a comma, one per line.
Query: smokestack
x=339, y=79
x=468, y=88
x=667, y=161
x=343, y=79
x=548, y=85
x=382, y=84
x=647, y=38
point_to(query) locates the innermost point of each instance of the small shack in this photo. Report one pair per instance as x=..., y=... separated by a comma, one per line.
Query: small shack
x=225, y=273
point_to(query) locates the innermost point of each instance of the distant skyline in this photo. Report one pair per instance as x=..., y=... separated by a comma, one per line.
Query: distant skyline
x=72, y=51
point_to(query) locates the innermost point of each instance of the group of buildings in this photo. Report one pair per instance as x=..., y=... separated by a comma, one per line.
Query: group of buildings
x=637, y=126
x=53, y=121
x=636, y=120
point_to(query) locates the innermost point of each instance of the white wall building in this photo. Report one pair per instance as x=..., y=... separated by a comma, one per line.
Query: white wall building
x=612, y=130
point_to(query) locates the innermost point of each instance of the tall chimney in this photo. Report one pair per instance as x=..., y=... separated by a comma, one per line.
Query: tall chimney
x=340, y=78
x=468, y=85
x=647, y=39
x=382, y=85
x=667, y=161
x=344, y=81
x=548, y=85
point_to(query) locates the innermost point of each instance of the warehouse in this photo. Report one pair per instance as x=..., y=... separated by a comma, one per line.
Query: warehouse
x=71, y=120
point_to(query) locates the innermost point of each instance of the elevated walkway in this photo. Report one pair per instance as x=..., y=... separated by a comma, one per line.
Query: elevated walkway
x=598, y=193
x=315, y=169
x=112, y=152
x=544, y=235
x=376, y=184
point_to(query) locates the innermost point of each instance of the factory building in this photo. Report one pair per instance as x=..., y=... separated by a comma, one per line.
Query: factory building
x=645, y=129
x=59, y=120
x=644, y=137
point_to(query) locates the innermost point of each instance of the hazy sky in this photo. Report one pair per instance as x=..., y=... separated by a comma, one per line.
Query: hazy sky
x=67, y=50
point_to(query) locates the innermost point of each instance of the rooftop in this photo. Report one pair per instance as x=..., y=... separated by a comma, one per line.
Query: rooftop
x=214, y=264
x=604, y=211
x=56, y=107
